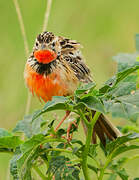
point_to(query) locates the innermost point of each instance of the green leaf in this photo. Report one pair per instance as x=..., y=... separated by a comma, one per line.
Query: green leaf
x=61, y=168
x=124, y=88
x=90, y=102
x=113, y=176
x=92, y=150
x=123, y=175
x=57, y=103
x=110, y=147
x=132, y=99
x=123, y=110
x=33, y=142
x=126, y=106
x=130, y=128
x=10, y=142
x=13, y=164
x=23, y=159
x=4, y=132
x=29, y=152
x=130, y=104
x=125, y=60
x=120, y=76
x=28, y=127
x=25, y=162
x=93, y=168
x=117, y=164
x=84, y=87
x=131, y=78
x=75, y=150
x=74, y=141
x=108, y=85
x=123, y=74
x=123, y=149
x=60, y=146
x=108, y=105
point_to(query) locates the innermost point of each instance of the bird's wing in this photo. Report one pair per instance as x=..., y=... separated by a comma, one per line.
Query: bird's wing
x=70, y=50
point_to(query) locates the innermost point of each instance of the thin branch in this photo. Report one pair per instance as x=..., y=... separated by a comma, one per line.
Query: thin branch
x=28, y=104
x=60, y=150
x=47, y=13
x=22, y=27
x=87, y=144
x=46, y=17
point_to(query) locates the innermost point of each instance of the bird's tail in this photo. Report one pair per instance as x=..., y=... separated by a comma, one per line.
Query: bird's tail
x=103, y=129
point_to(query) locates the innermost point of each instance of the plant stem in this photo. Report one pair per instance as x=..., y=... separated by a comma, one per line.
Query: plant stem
x=22, y=27
x=84, y=118
x=47, y=166
x=39, y=173
x=60, y=150
x=102, y=170
x=47, y=13
x=87, y=144
x=101, y=173
x=28, y=104
x=109, y=159
x=23, y=32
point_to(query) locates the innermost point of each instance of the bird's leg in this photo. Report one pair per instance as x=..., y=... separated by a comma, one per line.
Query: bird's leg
x=69, y=137
x=66, y=115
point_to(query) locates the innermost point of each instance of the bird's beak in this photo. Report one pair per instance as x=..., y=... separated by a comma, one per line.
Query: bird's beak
x=45, y=56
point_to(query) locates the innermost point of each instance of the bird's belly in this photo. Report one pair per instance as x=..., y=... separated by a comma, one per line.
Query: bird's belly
x=46, y=87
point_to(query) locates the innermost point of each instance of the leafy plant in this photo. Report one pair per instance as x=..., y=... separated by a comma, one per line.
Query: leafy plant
x=53, y=157
x=50, y=155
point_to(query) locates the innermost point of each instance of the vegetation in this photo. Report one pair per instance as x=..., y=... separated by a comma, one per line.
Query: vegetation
x=36, y=151
x=65, y=160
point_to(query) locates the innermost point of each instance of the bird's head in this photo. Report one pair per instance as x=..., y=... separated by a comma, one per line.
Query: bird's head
x=46, y=48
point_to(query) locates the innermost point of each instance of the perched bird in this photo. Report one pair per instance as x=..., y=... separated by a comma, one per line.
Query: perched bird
x=55, y=68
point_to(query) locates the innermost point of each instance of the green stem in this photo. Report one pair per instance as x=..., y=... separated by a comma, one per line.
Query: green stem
x=75, y=160
x=47, y=166
x=101, y=174
x=98, y=165
x=52, y=139
x=84, y=118
x=102, y=170
x=87, y=144
x=60, y=150
x=107, y=163
x=39, y=173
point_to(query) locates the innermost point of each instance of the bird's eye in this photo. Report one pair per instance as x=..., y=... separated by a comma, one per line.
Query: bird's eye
x=53, y=44
x=37, y=44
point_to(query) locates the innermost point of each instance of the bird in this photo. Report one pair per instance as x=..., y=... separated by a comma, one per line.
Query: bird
x=56, y=67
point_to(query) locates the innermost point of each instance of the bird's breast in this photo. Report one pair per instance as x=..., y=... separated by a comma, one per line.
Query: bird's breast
x=55, y=84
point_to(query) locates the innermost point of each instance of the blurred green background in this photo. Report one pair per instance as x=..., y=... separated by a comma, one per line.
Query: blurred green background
x=104, y=28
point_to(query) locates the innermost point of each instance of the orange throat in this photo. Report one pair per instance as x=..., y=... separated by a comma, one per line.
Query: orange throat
x=44, y=87
x=45, y=56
